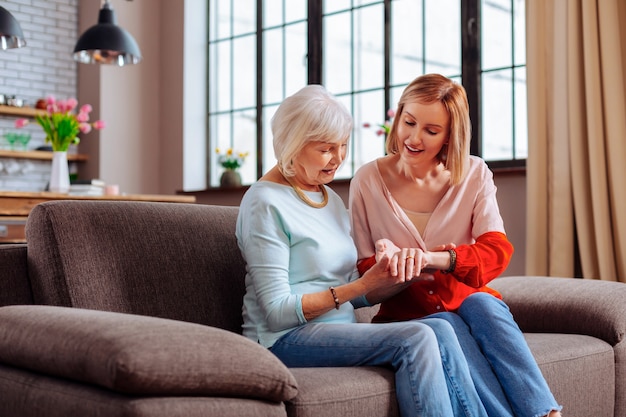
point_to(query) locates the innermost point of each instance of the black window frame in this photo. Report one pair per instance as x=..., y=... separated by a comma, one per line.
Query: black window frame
x=471, y=72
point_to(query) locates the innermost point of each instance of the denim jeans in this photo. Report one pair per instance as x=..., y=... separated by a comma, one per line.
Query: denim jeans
x=506, y=375
x=425, y=355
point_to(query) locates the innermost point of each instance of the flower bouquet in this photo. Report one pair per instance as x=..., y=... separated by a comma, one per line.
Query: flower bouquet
x=61, y=125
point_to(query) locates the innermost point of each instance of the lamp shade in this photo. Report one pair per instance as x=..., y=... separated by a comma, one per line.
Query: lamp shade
x=107, y=43
x=11, y=35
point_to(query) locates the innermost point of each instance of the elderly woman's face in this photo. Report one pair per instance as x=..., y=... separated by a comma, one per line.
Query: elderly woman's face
x=317, y=163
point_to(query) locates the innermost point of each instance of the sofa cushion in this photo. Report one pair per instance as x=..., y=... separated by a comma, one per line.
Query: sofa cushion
x=579, y=369
x=140, y=355
x=348, y=392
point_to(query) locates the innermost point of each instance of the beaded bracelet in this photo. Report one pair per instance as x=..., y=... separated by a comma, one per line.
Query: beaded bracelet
x=452, y=267
x=335, y=298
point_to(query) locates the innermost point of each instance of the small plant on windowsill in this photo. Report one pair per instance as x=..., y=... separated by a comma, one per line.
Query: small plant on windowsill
x=231, y=161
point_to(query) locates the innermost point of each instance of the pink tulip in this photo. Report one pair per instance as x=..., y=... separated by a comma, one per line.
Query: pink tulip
x=61, y=106
x=71, y=103
x=380, y=132
x=19, y=123
x=391, y=113
x=366, y=125
x=50, y=101
x=86, y=108
x=84, y=127
x=99, y=124
x=82, y=117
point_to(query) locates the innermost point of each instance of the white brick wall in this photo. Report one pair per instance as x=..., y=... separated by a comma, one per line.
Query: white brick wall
x=44, y=67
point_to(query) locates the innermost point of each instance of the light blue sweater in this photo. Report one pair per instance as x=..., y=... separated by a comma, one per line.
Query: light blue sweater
x=291, y=249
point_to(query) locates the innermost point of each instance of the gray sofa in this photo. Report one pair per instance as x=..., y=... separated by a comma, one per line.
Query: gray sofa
x=134, y=309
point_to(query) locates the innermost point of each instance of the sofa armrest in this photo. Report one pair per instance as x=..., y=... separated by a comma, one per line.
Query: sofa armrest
x=566, y=305
x=141, y=355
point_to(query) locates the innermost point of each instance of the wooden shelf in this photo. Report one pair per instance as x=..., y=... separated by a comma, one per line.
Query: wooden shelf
x=19, y=111
x=20, y=203
x=41, y=155
x=15, y=206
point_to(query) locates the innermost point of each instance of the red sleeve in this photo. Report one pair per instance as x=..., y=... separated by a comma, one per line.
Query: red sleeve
x=364, y=264
x=481, y=262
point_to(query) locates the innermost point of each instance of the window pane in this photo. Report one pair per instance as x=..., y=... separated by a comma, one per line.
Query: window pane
x=369, y=49
x=244, y=72
x=223, y=72
x=244, y=140
x=337, y=51
x=519, y=22
x=219, y=134
x=331, y=6
x=221, y=19
x=521, y=114
x=443, y=40
x=407, y=53
x=497, y=114
x=272, y=13
x=295, y=10
x=367, y=143
x=245, y=17
x=295, y=58
x=496, y=34
x=273, y=65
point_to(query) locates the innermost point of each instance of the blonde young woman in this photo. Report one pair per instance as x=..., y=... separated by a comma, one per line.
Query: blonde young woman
x=429, y=197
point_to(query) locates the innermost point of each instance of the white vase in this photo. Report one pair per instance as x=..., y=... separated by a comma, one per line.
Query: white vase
x=59, y=176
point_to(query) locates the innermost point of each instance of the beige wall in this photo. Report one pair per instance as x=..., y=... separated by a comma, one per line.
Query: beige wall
x=141, y=147
x=154, y=139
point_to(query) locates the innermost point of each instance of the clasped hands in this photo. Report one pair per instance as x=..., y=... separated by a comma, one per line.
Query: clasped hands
x=409, y=264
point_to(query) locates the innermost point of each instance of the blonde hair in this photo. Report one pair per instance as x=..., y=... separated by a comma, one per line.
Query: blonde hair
x=431, y=88
x=311, y=114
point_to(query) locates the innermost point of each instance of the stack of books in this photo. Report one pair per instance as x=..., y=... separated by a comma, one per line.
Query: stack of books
x=94, y=187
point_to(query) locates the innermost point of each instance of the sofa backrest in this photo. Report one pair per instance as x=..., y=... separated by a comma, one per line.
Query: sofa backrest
x=15, y=288
x=171, y=260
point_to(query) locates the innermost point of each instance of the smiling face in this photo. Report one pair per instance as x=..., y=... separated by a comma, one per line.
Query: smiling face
x=317, y=163
x=422, y=131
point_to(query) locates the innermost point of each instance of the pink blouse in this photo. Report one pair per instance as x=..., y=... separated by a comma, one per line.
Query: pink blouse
x=467, y=215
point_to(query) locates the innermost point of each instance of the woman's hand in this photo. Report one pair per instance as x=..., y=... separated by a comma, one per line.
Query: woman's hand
x=407, y=263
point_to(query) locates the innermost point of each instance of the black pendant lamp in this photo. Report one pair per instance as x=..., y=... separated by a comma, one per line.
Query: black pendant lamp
x=11, y=35
x=107, y=43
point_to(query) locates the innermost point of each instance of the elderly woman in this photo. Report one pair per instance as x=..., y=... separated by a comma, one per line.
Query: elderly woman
x=302, y=284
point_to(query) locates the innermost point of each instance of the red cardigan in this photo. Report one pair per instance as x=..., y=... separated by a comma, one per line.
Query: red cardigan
x=476, y=265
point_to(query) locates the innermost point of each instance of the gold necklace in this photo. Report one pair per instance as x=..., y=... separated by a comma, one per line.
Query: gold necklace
x=304, y=197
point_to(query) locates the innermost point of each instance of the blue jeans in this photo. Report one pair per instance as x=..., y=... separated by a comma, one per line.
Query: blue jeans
x=505, y=373
x=425, y=355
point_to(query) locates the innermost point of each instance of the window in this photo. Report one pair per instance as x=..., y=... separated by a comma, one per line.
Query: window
x=365, y=52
